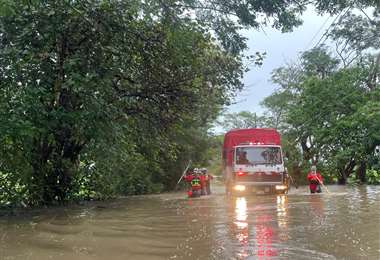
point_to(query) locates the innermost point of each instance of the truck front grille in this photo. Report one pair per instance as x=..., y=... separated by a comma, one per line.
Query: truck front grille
x=260, y=177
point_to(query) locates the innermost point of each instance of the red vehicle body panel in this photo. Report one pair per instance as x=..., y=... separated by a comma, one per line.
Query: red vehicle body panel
x=236, y=137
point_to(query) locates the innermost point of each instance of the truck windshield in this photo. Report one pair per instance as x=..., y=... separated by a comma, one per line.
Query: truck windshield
x=258, y=155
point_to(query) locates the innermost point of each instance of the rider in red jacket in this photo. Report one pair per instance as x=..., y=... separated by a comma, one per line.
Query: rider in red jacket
x=315, y=180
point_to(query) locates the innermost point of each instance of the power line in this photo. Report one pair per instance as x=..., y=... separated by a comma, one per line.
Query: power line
x=369, y=18
x=324, y=37
x=319, y=30
x=333, y=24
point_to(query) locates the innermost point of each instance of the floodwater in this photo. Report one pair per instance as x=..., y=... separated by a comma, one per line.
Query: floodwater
x=342, y=224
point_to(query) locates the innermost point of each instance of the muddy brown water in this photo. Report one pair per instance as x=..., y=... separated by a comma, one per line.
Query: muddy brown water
x=341, y=225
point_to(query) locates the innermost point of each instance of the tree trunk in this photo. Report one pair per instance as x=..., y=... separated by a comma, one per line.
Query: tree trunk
x=360, y=172
x=346, y=172
x=297, y=174
x=342, y=178
x=53, y=167
x=39, y=162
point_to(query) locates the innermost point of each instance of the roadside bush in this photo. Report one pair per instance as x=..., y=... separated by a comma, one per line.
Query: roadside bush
x=12, y=191
x=373, y=176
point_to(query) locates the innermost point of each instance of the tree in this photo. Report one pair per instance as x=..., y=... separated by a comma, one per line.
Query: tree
x=323, y=113
x=277, y=105
x=354, y=35
x=329, y=105
x=240, y=120
x=83, y=73
x=318, y=62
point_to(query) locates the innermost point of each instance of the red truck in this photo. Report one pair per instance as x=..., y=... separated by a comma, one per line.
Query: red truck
x=253, y=161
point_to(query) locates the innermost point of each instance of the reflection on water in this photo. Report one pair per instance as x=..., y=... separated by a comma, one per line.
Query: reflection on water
x=242, y=226
x=340, y=225
x=264, y=237
x=241, y=213
x=317, y=205
x=255, y=232
x=282, y=211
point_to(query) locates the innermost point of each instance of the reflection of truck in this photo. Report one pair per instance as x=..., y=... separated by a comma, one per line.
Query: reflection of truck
x=253, y=161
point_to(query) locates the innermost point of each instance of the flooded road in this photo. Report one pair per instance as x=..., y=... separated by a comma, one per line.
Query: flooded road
x=341, y=225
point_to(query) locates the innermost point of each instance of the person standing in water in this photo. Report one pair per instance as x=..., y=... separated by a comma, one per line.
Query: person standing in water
x=315, y=180
x=208, y=177
x=195, y=184
x=202, y=178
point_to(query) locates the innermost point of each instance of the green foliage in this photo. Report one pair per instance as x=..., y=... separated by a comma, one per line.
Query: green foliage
x=99, y=98
x=214, y=155
x=373, y=176
x=318, y=62
x=354, y=35
x=240, y=120
x=329, y=114
x=95, y=83
x=12, y=191
x=329, y=106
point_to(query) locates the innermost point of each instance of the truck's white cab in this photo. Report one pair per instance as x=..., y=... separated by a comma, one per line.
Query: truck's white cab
x=259, y=167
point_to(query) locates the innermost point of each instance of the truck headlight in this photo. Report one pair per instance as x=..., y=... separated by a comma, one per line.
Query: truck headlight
x=239, y=188
x=281, y=187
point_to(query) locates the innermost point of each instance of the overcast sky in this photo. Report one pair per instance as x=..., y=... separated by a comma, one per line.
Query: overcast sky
x=281, y=49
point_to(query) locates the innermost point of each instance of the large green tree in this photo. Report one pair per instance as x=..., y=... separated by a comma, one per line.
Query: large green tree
x=75, y=73
x=322, y=105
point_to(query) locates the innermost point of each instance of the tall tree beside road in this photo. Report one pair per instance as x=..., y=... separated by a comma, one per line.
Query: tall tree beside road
x=330, y=106
x=80, y=74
